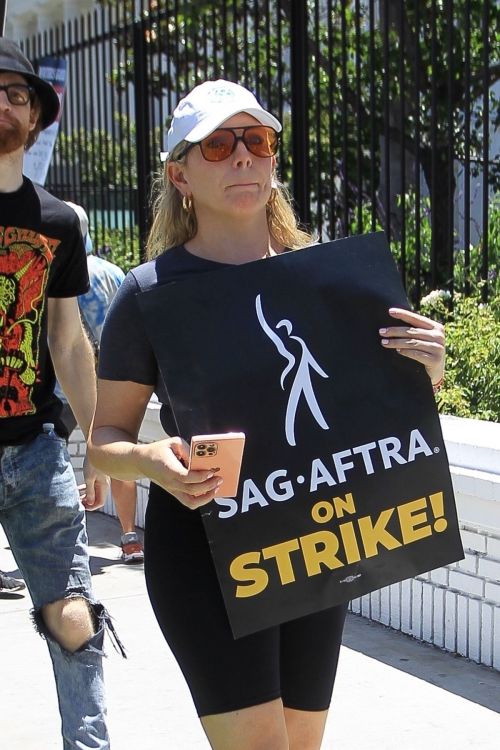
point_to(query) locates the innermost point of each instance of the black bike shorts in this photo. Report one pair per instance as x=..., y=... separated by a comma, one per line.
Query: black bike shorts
x=296, y=661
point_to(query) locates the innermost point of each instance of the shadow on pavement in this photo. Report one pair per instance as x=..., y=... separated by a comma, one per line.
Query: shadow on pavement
x=456, y=674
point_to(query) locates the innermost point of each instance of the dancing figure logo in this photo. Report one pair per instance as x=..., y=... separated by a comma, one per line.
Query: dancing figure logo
x=301, y=386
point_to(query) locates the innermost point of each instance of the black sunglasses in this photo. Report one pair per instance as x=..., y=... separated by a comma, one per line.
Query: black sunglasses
x=260, y=140
x=18, y=93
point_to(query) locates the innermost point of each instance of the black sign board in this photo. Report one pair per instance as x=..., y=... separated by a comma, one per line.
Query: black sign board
x=345, y=485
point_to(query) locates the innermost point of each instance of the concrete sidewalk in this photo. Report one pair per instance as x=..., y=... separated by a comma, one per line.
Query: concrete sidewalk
x=391, y=692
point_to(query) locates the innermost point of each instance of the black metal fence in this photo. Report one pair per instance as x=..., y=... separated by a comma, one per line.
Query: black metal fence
x=390, y=113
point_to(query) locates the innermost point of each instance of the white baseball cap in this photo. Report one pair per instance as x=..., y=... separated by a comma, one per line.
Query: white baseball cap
x=207, y=106
x=84, y=224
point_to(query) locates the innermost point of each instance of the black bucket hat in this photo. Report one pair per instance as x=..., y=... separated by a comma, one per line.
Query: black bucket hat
x=12, y=60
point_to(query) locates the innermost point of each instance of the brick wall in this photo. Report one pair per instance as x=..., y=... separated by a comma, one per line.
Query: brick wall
x=456, y=607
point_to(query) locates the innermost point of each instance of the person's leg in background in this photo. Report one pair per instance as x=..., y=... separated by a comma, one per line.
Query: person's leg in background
x=44, y=522
x=10, y=584
x=125, y=498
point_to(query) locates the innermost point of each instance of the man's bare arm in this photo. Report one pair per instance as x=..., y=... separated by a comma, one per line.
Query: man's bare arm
x=73, y=360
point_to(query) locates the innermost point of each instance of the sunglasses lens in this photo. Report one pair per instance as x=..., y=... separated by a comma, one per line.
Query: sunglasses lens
x=261, y=141
x=218, y=145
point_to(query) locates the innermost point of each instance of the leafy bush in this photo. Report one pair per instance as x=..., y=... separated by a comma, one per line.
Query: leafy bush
x=119, y=246
x=472, y=381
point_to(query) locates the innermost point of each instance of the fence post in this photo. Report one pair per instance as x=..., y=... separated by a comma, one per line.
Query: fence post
x=3, y=16
x=143, y=155
x=300, y=97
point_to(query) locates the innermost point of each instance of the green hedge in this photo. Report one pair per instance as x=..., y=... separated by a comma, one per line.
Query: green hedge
x=472, y=380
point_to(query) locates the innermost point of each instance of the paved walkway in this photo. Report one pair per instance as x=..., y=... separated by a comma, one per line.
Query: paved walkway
x=391, y=691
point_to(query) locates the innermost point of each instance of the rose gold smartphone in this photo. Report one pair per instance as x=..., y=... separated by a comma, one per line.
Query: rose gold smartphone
x=221, y=454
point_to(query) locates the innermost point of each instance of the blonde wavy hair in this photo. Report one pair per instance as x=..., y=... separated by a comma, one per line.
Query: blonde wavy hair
x=173, y=225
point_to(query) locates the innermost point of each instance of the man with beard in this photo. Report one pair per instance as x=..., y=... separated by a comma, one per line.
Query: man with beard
x=43, y=268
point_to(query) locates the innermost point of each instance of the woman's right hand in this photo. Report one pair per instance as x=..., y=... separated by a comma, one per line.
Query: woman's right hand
x=165, y=462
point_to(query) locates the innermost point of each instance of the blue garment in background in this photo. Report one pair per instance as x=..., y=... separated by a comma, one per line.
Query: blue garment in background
x=105, y=278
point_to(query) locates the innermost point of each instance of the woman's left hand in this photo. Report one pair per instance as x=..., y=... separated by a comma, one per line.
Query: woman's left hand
x=419, y=338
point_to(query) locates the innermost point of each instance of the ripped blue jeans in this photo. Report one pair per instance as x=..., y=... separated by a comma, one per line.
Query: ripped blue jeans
x=44, y=521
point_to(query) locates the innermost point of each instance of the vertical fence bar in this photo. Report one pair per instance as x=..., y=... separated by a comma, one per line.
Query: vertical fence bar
x=236, y=61
x=317, y=121
x=451, y=148
x=359, y=178
x=71, y=121
x=224, y=28
x=467, y=117
x=434, y=128
x=84, y=121
x=402, y=131
x=102, y=199
x=386, y=108
x=132, y=167
x=279, y=68
x=256, y=31
x=344, y=172
x=215, y=61
x=418, y=243
x=3, y=16
x=268, y=54
x=59, y=163
x=245, y=42
x=205, y=48
x=371, y=63
x=142, y=127
x=486, y=146
x=299, y=71
x=331, y=125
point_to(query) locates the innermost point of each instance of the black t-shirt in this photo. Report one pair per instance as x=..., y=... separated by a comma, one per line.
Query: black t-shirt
x=126, y=353
x=41, y=255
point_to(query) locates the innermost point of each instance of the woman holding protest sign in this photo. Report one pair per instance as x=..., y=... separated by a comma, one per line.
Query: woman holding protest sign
x=220, y=205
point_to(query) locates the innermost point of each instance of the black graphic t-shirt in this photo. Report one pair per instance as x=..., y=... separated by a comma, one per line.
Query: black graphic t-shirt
x=126, y=353
x=41, y=255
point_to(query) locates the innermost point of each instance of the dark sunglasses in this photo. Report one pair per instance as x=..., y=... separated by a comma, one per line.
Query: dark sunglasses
x=260, y=140
x=18, y=93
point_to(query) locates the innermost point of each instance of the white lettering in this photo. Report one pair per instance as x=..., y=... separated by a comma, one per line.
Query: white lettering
x=319, y=475
x=417, y=445
x=285, y=487
x=389, y=448
x=251, y=496
x=232, y=506
x=341, y=467
x=365, y=452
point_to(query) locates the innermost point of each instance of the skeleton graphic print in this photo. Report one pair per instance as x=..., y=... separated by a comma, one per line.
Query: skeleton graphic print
x=25, y=259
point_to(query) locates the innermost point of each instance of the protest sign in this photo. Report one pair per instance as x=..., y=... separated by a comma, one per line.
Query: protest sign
x=37, y=158
x=345, y=485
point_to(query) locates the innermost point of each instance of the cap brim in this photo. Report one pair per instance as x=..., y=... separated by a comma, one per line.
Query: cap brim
x=209, y=124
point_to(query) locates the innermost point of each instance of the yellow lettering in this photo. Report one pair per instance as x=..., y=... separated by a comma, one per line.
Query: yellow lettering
x=344, y=505
x=373, y=535
x=281, y=552
x=350, y=542
x=320, y=548
x=414, y=525
x=257, y=577
x=322, y=512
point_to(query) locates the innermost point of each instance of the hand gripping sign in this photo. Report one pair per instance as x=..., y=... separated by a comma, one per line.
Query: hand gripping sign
x=345, y=485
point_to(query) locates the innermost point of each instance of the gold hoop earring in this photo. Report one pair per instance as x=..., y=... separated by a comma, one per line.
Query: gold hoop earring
x=187, y=203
